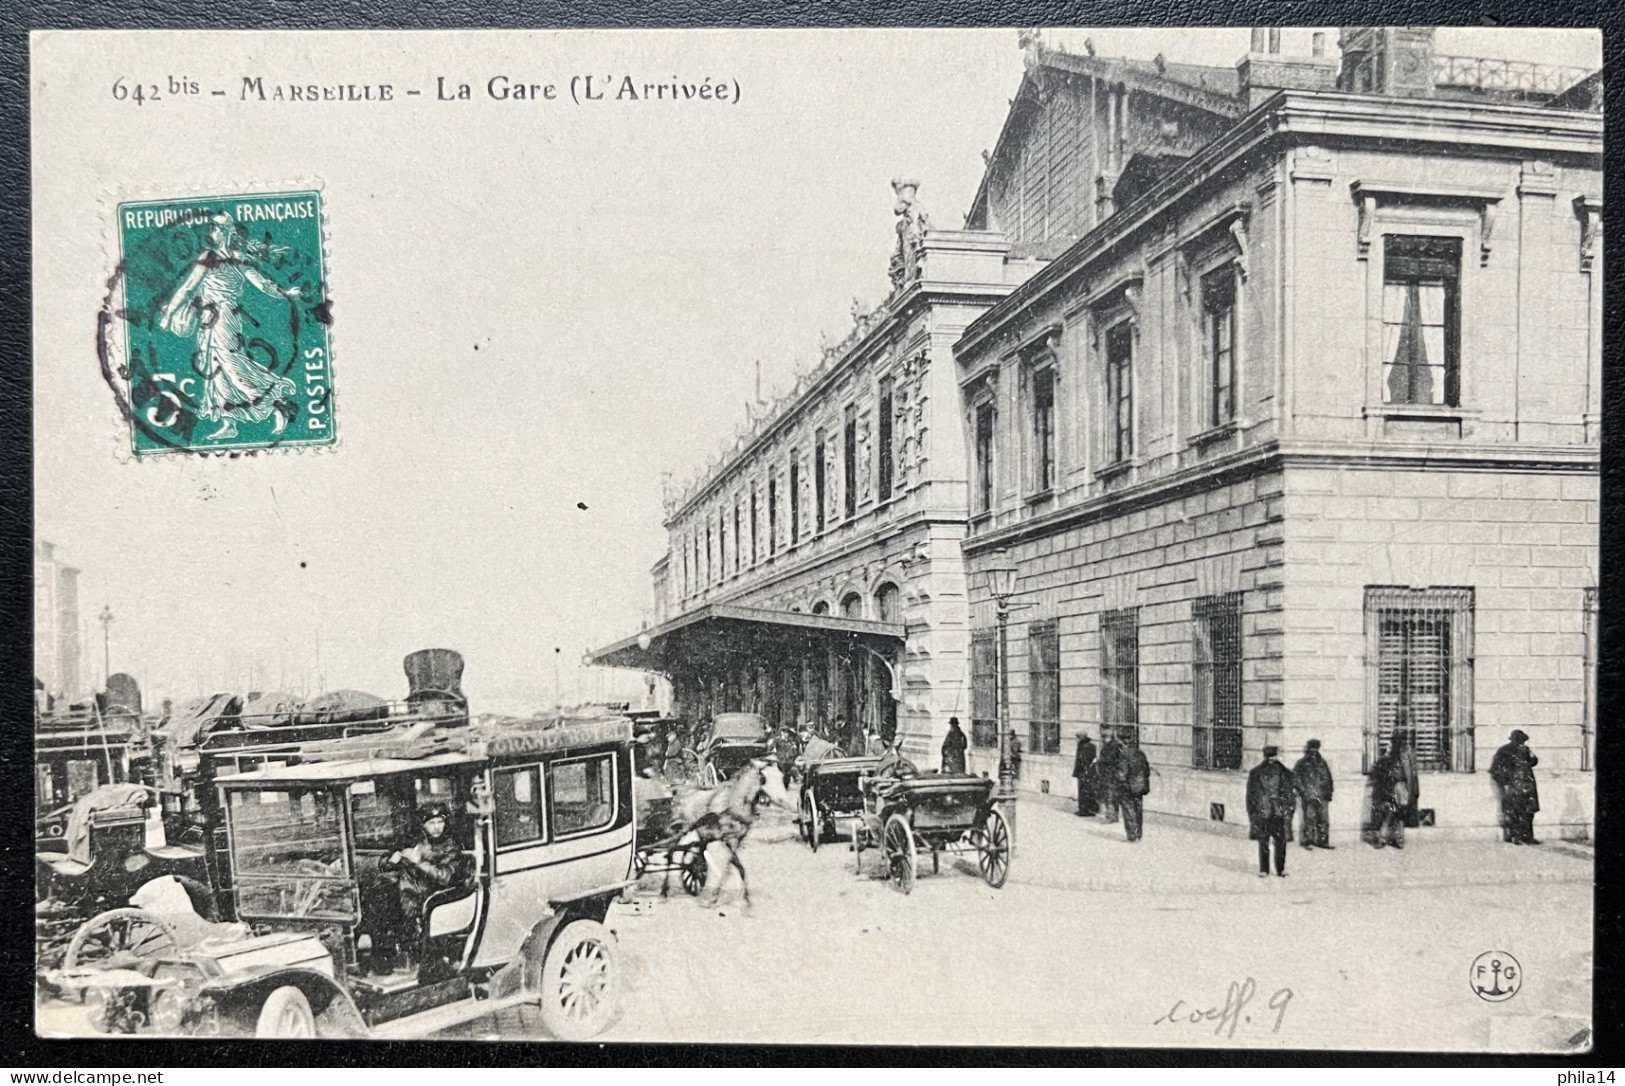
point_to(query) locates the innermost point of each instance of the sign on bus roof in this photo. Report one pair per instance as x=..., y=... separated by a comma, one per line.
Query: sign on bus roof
x=510, y=743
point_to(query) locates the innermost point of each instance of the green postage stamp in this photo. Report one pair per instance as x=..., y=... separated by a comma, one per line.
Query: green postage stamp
x=226, y=323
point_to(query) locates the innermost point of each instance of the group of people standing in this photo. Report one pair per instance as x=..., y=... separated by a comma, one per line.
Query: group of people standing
x=1118, y=779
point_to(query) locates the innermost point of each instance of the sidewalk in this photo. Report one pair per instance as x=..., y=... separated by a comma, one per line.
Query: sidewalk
x=1057, y=849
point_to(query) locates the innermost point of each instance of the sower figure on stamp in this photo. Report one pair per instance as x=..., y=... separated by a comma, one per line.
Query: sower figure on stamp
x=1312, y=778
x=207, y=308
x=1269, y=811
x=1513, y=770
x=1083, y=770
x=1110, y=768
x=953, y=748
x=1134, y=784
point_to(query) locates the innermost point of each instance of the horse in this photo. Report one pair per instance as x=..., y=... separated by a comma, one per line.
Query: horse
x=724, y=815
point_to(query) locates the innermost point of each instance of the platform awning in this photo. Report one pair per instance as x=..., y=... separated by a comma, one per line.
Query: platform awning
x=720, y=635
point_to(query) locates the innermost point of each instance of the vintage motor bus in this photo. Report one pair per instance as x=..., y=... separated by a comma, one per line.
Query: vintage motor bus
x=542, y=813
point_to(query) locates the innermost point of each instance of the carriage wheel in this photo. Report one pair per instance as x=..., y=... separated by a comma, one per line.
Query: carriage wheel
x=815, y=829
x=900, y=858
x=693, y=873
x=708, y=776
x=993, y=850
x=116, y=936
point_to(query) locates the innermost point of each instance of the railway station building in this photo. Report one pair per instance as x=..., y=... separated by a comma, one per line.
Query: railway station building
x=1278, y=384
x=1295, y=436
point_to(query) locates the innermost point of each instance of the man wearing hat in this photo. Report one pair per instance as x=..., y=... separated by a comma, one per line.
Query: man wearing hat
x=1087, y=775
x=435, y=863
x=1513, y=771
x=1312, y=779
x=1269, y=810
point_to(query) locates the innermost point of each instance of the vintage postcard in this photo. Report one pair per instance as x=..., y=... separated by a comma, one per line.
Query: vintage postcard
x=1067, y=536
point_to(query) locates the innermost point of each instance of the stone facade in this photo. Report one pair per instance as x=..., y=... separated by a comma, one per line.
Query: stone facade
x=1272, y=473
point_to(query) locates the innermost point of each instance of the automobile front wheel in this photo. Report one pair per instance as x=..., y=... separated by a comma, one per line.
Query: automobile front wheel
x=580, y=994
x=286, y=1014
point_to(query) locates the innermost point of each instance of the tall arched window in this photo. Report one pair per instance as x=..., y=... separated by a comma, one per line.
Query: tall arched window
x=852, y=606
x=888, y=603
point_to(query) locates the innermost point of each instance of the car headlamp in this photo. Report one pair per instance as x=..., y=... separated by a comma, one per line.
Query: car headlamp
x=169, y=1010
x=96, y=1007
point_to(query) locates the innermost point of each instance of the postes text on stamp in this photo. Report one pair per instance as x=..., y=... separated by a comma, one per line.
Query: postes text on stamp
x=226, y=323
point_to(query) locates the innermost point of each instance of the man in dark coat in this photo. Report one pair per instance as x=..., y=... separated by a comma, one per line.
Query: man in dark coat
x=1110, y=768
x=1134, y=784
x=1312, y=779
x=1083, y=770
x=1391, y=795
x=437, y=862
x=1513, y=770
x=953, y=748
x=1269, y=811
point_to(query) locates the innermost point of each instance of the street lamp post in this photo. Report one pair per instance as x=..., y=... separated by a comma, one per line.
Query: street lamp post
x=1002, y=583
x=106, y=619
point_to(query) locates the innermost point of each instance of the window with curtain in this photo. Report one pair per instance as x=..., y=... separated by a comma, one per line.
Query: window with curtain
x=1120, y=673
x=1043, y=423
x=984, y=688
x=1219, y=343
x=1421, y=321
x=1044, y=687
x=1216, y=683
x=1419, y=661
x=1120, y=392
x=984, y=458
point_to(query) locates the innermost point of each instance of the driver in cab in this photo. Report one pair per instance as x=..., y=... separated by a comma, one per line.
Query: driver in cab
x=435, y=863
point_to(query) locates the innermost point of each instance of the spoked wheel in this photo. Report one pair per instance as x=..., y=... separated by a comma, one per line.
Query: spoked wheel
x=993, y=850
x=900, y=857
x=815, y=828
x=693, y=873
x=580, y=992
x=118, y=937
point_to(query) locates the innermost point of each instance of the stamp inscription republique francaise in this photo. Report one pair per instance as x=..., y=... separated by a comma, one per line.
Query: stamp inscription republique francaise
x=227, y=323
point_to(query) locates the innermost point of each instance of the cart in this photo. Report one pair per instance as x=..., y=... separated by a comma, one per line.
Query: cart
x=931, y=814
x=659, y=851
x=831, y=795
x=736, y=738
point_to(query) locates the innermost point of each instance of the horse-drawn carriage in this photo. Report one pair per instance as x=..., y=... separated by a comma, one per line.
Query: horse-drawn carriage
x=736, y=740
x=904, y=817
x=831, y=794
x=661, y=849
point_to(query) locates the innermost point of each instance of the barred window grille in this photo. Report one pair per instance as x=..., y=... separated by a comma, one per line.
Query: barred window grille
x=1216, y=683
x=1044, y=687
x=1419, y=659
x=1120, y=674
x=984, y=688
x=1588, y=722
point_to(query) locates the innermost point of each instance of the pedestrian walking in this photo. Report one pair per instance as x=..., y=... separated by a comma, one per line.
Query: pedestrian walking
x=1134, y=785
x=1312, y=780
x=1513, y=771
x=1083, y=770
x=1109, y=768
x=953, y=748
x=1269, y=811
x=1391, y=795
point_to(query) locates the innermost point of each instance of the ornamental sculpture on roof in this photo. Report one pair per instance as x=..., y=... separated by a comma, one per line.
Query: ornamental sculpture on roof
x=911, y=228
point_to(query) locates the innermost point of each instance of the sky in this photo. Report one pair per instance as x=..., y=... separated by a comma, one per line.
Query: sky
x=538, y=310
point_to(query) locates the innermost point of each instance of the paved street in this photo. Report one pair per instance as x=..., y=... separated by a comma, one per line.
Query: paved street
x=1345, y=956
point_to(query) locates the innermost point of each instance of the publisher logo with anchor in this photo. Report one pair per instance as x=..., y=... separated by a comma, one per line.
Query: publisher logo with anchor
x=1496, y=976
